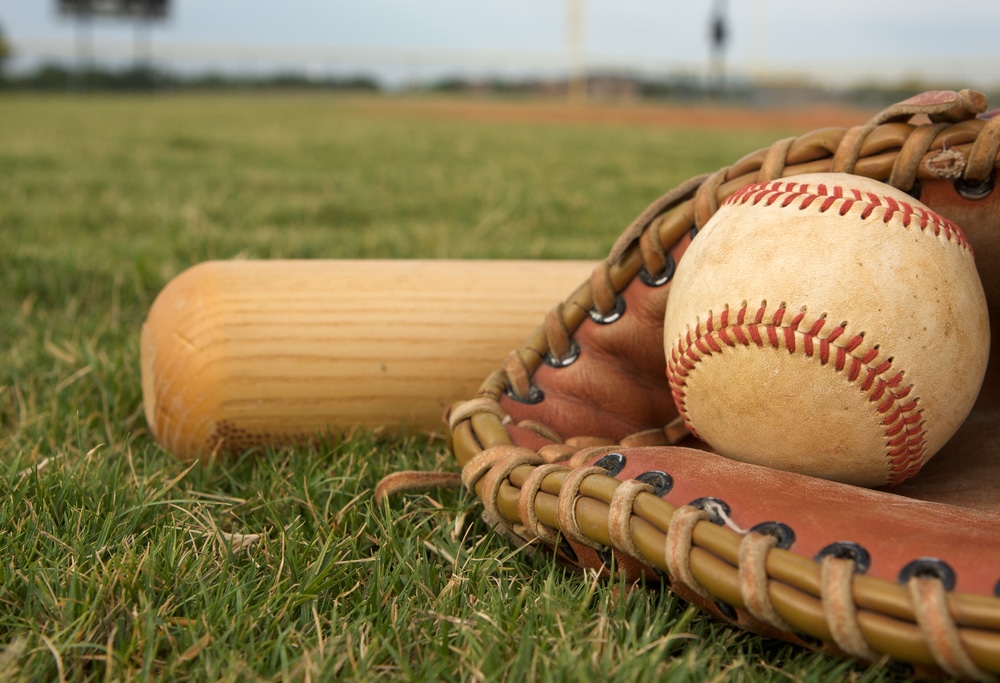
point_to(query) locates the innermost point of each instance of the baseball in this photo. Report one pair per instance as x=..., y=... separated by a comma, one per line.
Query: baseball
x=827, y=324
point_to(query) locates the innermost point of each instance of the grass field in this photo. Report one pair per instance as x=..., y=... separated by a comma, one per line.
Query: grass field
x=117, y=562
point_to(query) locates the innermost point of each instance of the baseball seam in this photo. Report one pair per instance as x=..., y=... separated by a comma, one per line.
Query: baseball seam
x=844, y=199
x=901, y=416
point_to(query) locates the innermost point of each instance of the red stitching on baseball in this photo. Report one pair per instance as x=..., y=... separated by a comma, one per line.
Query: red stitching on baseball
x=785, y=194
x=901, y=416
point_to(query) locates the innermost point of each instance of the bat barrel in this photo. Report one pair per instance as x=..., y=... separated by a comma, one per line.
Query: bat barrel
x=237, y=354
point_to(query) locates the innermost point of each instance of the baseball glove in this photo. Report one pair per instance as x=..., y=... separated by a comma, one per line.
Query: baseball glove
x=575, y=441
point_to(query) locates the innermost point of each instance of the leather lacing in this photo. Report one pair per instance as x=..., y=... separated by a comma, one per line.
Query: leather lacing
x=754, y=580
x=892, y=147
x=526, y=504
x=490, y=476
x=839, y=609
x=620, y=516
x=940, y=632
x=885, y=148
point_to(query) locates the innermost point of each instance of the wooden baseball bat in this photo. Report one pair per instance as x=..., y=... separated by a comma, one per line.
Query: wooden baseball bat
x=237, y=354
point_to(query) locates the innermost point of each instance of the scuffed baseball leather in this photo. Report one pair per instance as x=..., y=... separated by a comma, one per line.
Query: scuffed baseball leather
x=858, y=318
x=912, y=573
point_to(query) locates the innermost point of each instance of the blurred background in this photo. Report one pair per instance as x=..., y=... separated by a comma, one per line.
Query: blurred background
x=758, y=50
x=141, y=137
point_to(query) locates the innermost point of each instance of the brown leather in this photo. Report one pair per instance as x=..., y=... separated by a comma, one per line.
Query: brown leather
x=580, y=389
x=863, y=516
x=966, y=472
x=597, y=397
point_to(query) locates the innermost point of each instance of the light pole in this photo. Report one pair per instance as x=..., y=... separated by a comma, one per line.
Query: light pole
x=577, y=59
x=718, y=34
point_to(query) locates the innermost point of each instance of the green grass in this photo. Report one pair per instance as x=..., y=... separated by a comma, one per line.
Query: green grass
x=118, y=562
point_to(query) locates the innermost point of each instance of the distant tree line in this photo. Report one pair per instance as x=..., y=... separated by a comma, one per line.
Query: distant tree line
x=57, y=76
x=689, y=88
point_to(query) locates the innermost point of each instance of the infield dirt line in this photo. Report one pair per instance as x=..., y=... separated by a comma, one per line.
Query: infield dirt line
x=721, y=116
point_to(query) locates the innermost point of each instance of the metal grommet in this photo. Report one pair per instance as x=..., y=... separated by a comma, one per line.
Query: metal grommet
x=846, y=550
x=614, y=463
x=975, y=189
x=535, y=395
x=929, y=568
x=613, y=316
x=661, y=278
x=712, y=506
x=571, y=356
x=782, y=532
x=660, y=481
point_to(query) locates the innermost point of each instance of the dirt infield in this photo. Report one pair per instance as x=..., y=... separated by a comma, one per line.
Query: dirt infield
x=722, y=116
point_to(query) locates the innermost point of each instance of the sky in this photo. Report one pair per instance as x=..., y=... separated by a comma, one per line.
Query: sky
x=953, y=44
